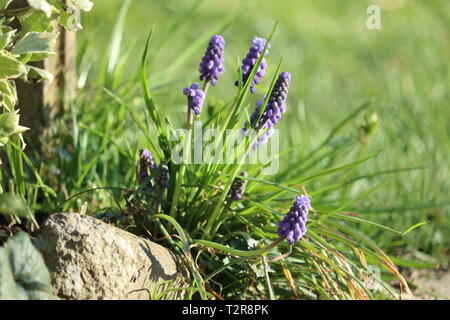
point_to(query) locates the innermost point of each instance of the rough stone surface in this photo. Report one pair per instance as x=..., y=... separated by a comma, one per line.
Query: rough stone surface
x=89, y=259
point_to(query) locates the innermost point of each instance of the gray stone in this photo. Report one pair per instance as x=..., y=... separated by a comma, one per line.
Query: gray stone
x=90, y=259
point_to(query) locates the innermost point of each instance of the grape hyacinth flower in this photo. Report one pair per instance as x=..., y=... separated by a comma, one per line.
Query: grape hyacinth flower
x=250, y=60
x=238, y=187
x=293, y=226
x=146, y=164
x=275, y=107
x=162, y=178
x=212, y=65
x=196, y=97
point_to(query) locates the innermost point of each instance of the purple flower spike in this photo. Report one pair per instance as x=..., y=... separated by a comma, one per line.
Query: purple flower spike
x=195, y=96
x=146, y=164
x=212, y=65
x=238, y=187
x=162, y=178
x=275, y=108
x=250, y=60
x=293, y=226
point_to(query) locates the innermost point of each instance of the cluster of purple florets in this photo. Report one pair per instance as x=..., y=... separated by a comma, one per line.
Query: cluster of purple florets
x=147, y=165
x=196, y=97
x=162, y=178
x=238, y=187
x=275, y=107
x=250, y=61
x=293, y=226
x=212, y=65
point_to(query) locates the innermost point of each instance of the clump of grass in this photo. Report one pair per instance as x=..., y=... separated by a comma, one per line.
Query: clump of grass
x=232, y=247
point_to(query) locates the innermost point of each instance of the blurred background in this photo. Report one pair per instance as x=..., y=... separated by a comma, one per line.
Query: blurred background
x=337, y=64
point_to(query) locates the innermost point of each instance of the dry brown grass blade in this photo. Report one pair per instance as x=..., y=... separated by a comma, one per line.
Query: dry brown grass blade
x=361, y=295
x=290, y=279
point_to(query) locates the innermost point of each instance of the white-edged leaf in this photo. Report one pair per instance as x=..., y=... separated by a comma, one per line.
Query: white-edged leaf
x=84, y=5
x=4, y=4
x=41, y=5
x=9, y=66
x=35, y=42
x=5, y=38
x=8, y=94
x=9, y=125
x=38, y=73
x=37, y=21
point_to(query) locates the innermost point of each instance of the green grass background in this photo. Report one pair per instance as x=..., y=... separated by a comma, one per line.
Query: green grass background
x=336, y=64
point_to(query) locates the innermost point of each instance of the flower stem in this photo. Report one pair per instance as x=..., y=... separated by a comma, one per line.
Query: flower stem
x=233, y=175
x=182, y=169
x=240, y=253
x=266, y=274
x=185, y=243
x=206, y=87
x=225, y=210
